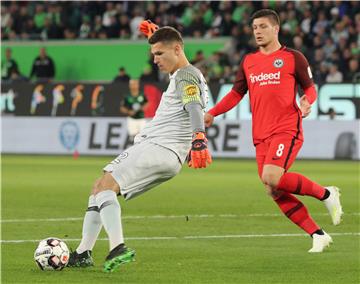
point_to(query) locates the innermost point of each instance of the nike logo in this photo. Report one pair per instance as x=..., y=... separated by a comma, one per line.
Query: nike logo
x=276, y=158
x=251, y=66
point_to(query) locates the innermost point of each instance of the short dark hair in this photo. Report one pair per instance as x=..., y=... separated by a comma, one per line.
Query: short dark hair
x=267, y=13
x=166, y=34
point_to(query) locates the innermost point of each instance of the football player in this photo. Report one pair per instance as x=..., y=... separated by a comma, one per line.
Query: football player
x=271, y=75
x=176, y=132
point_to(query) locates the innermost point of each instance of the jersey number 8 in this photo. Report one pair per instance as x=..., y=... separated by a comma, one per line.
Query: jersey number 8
x=280, y=150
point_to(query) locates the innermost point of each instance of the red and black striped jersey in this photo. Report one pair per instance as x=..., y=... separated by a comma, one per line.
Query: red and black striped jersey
x=272, y=82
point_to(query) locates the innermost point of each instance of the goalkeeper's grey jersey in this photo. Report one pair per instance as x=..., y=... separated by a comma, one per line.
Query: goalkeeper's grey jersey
x=171, y=126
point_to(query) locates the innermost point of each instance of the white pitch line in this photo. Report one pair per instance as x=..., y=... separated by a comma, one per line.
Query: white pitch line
x=190, y=237
x=164, y=217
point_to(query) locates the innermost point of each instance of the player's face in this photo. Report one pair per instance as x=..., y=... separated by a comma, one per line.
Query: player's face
x=8, y=54
x=265, y=32
x=42, y=52
x=134, y=87
x=165, y=56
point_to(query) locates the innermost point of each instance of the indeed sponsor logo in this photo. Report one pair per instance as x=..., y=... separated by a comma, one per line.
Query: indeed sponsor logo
x=264, y=76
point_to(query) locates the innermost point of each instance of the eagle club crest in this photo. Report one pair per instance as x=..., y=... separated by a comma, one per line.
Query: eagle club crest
x=278, y=63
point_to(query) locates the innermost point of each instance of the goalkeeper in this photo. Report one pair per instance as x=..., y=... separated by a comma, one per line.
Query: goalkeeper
x=175, y=135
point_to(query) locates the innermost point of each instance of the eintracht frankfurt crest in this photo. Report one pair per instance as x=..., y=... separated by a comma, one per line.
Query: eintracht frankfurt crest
x=278, y=63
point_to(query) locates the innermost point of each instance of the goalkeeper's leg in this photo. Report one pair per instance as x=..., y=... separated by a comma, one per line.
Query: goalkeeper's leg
x=81, y=257
x=110, y=213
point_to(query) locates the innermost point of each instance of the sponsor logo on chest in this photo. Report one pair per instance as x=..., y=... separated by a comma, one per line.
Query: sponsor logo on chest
x=265, y=78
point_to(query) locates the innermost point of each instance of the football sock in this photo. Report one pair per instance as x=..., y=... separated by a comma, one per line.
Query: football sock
x=110, y=213
x=91, y=227
x=298, y=184
x=326, y=195
x=319, y=232
x=296, y=212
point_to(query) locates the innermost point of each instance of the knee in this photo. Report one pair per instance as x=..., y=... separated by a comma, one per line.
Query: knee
x=273, y=192
x=106, y=182
x=270, y=180
x=95, y=186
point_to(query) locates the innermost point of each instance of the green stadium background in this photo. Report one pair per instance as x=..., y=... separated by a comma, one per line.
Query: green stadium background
x=98, y=60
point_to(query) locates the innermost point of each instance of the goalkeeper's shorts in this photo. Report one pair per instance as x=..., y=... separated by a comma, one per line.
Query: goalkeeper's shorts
x=143, y=166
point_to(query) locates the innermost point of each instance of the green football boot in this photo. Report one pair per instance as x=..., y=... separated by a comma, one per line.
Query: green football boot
x=117, y=256
x=80, y=260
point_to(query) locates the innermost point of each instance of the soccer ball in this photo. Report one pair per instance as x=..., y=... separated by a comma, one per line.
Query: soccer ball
x=51, y=254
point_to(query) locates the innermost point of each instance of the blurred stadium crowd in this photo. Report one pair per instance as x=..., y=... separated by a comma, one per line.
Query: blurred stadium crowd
x=328, y=33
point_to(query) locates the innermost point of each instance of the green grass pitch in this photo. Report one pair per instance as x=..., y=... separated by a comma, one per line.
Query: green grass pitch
x=204, y=226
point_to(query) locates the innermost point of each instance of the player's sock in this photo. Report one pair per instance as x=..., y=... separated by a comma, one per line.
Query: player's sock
x=319, y=232
x=110, y=213
x=298, y=184
x=91, y=227
x=296, y=212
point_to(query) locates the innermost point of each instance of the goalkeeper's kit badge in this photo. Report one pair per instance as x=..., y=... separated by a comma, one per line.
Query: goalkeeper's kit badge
x=191, y=90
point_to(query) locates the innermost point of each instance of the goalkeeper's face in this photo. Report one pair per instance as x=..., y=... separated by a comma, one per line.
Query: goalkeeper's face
x=166, y=56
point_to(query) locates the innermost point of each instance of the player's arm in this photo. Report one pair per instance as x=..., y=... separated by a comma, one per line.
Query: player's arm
x=199, y=155
x=305, y=79
x=147, y=28
x=125, y=108
x=187, y=87
x=227, y=103
x=145, y=104
x=231, y=99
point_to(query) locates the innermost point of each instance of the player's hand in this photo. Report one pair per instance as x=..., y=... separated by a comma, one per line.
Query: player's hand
x=147, y=28
x=199, y=155
x=305, y=106
x=131, y=112
x=208, y=119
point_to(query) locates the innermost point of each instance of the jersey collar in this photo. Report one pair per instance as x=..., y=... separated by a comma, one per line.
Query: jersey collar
x=273, y=53
x=172, y=76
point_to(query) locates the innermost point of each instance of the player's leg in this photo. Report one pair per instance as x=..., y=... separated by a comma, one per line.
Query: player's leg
x=301, y=185
x=288, y=204
x=139, y=168
x=106, y=193
x=81, y=257
x=293, y=208
x=282, y=152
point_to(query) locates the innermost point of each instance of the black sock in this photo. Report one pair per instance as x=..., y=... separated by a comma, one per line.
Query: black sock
x=319, y=232
x=326, y=194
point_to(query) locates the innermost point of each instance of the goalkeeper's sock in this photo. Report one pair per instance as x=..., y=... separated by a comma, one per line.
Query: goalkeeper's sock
x=91, y=227
x=296, y=212
x=298, y=184
x=110, y=213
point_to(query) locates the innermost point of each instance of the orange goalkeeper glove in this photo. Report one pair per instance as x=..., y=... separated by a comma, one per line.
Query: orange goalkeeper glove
x=199, y=155
x=147, y=28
